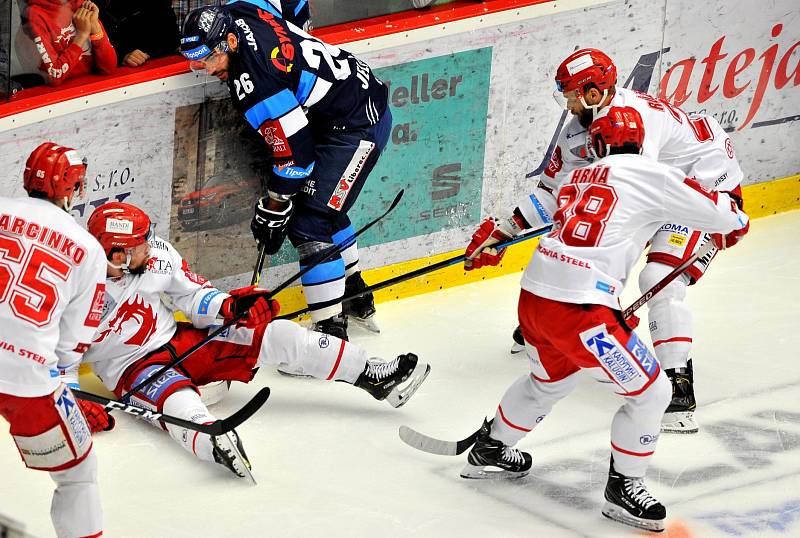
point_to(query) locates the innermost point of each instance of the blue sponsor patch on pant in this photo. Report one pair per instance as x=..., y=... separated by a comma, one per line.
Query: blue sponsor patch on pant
x=642, y=355
x=158, y=387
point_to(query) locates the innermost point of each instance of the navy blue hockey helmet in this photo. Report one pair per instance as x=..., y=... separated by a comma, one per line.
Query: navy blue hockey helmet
x=205, y=29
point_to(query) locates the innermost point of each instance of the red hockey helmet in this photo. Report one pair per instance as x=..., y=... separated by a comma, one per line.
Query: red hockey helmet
x=119, y=225
x=56, y=171
x=619, y=126
x=586, y=66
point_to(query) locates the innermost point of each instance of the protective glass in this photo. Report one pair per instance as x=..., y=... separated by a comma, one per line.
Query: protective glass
x=565, y=99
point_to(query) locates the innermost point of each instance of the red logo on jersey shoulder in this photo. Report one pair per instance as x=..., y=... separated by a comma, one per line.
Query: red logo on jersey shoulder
x=96, y=310
x=729, y=147
x=194, y=277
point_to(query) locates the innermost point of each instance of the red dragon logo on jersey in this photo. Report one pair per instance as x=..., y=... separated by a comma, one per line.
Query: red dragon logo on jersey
x=132, y=309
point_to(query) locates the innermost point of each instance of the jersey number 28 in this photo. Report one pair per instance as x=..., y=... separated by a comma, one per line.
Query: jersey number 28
x=583, y=214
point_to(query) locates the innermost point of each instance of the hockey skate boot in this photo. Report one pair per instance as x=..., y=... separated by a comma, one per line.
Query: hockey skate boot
x=360, y=309
x=229, y=451
x=679, y=416
x=334, y=326
x=519, y=341
x=490, y=458
x=629, y=502
x=394, y=381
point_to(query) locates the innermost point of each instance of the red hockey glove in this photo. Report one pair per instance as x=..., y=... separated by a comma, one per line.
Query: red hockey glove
x=96, y=415
x=490, y=232
x=723, y=241
x=260, y=309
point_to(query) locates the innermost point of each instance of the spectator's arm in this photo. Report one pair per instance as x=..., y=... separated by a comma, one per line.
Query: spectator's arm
x=105, y=57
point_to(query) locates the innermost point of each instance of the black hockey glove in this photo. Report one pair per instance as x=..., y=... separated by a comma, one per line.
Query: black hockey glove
x=269, y=225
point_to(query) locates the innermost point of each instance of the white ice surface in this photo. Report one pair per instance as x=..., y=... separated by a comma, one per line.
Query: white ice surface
x=329, y=462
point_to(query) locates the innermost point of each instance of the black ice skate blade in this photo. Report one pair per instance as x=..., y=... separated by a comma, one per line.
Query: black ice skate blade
x=620, y=515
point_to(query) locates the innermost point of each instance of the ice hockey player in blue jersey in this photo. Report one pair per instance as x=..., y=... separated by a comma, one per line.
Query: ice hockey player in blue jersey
x=324, y=115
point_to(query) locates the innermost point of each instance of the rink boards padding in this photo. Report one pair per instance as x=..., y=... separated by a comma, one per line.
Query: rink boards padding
x=474, y=120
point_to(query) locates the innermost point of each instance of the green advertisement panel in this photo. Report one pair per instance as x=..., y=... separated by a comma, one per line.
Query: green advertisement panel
x=435, y=153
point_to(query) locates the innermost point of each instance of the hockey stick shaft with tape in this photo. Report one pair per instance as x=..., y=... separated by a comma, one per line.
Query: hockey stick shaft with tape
x=702, y=252
x=425, y=270
x=218, y=427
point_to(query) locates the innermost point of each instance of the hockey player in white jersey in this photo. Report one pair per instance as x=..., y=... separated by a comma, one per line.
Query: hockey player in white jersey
x=52, y=275
x=569, y=307
x=698, y=146
x=138, y=335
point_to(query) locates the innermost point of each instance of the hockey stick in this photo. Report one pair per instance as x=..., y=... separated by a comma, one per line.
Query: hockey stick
x=431, y=445
x=425, y=270
x=262, y=255
x=324, y=256
x=218, y=427
x=702, y=252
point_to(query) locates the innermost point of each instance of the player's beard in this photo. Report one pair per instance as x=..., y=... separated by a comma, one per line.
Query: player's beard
x=585, y=117
x=138, y=270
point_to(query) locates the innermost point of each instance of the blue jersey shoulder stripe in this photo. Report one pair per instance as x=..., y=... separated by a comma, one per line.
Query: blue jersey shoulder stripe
x=259, y=3
x=300, y=5
x=307, y=80
x=271, y=108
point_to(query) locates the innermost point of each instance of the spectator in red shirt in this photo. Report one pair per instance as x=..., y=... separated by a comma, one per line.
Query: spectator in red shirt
x=70, y=39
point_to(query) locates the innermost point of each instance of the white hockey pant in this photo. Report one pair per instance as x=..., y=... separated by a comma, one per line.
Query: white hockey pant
x=669, y=316
x=525, y=404
x=316, y=354
x=75, y=509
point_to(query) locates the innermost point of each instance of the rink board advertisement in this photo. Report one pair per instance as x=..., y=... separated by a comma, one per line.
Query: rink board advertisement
x=473, y=123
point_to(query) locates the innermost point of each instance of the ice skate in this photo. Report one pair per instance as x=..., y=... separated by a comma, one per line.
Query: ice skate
x=395, y=381
x=334, y=326
x=679, y=416
x=490, y=458
x=229, y=451
x=519, y=341
x=360, y=309
x=629, y=502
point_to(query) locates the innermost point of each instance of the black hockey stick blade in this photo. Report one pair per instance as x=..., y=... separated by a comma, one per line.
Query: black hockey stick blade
x=431, y=445
x=218, y=427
